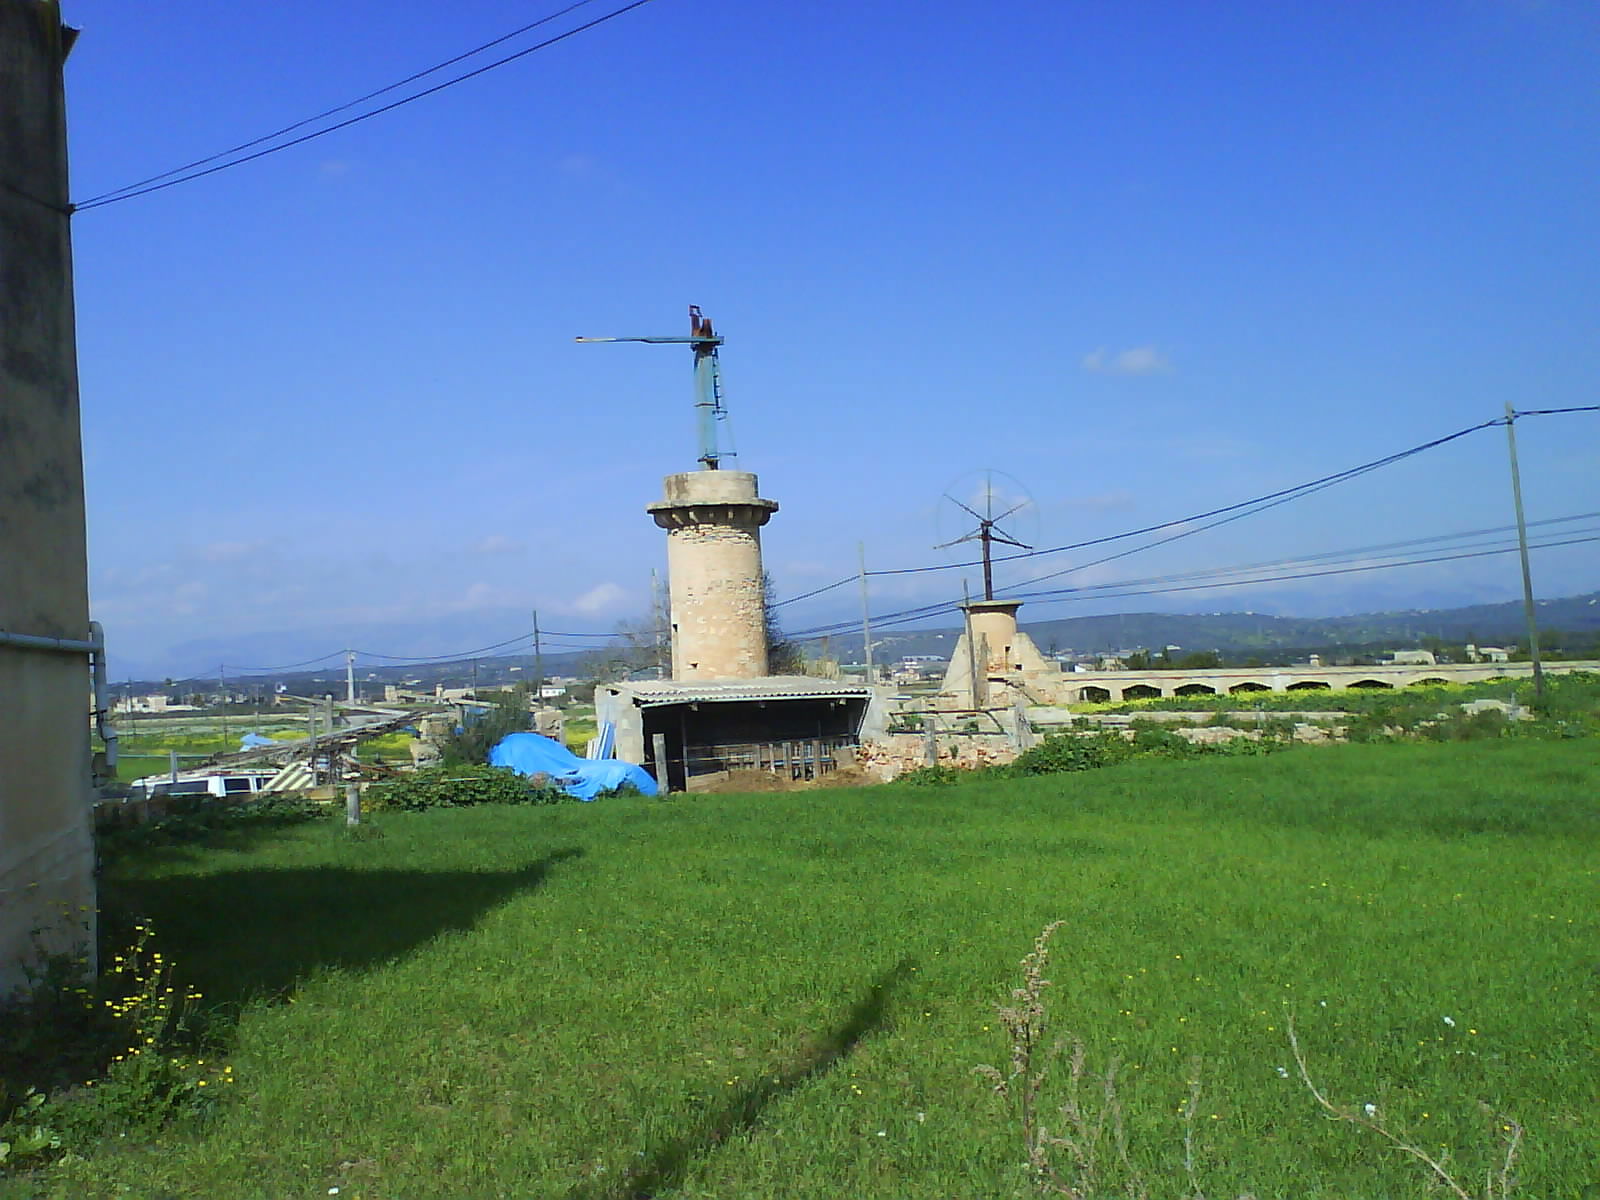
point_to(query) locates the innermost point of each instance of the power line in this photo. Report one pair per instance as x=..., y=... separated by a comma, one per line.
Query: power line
x=1131, y=588
x=1241, y=509
x=1330, y=555
x=27, y=195
x=290, y=666
x=1550, y=412
x=816, y=591
x=134, y=190
x=422, y=658
x=1238, y=510
x=1062, y=598
x=1283, y=494
x=329, y=112
x=1349, y=570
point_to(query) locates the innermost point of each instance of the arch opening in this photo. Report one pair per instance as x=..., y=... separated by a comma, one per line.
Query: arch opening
x=1310, y=685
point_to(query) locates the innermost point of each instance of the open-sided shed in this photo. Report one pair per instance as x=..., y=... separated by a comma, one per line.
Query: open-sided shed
x=790, y=724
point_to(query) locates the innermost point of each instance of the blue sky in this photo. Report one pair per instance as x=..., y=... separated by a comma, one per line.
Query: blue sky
x=1147, y=259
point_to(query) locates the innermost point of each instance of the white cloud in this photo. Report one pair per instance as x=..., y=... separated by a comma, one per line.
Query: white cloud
x=598, y=599
x=497, y=543
x=223, y=552
x=577, y=166
x=1117, y=500
x=1139, y=360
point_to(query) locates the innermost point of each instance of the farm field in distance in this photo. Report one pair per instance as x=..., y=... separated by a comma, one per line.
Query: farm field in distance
x=785, y=995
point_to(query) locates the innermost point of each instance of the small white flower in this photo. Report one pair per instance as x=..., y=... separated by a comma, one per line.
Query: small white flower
x=1324, y=1003
x=921, y=1117
x=1450, y=1021
x=1283, y=1072
x=1370, y=1109
x=883, y=1133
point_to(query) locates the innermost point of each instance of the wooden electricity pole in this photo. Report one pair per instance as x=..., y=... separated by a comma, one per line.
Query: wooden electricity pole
x=1522, y=545
x=866, y=616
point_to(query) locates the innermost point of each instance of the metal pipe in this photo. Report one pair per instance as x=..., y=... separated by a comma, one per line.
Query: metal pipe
x=34, y=642
x=95, y=648
x=102, y=713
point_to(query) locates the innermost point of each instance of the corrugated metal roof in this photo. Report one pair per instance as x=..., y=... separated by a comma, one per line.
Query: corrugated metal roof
x=649, y=693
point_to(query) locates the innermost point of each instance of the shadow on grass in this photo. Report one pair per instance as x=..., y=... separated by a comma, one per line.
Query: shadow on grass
x=665, y=1165
x=187, y=836
x=239, y=935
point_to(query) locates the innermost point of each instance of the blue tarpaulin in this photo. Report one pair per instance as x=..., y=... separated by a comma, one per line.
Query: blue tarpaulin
x=535, y=754
x=251, y=740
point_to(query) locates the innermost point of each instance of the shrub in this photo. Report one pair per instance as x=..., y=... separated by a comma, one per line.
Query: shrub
x=117, y=1055
x=939, y=775
x=507, y=713
x=1158, y=741
x=461, y=786
x=1072, y=752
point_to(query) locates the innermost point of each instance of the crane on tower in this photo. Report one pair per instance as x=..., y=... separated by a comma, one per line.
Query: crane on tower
x=709, y=409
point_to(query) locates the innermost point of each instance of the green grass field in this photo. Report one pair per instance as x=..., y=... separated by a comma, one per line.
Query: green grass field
x=785, y=995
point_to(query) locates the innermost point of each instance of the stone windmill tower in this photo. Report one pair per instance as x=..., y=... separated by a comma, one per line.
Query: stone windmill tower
x=713, y=518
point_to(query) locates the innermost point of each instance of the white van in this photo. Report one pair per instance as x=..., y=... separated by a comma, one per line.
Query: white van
x=231, y=783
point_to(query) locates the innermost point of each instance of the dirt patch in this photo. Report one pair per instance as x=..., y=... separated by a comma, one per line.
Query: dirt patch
x=766, y=781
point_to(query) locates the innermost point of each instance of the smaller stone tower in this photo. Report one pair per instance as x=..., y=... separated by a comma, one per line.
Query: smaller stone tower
x=1002, y=654
x=713, y=521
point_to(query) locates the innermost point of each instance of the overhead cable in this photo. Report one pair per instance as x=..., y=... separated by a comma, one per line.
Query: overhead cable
x=1348, y=570
x=1283, y=493
x=134, y=190
x=1550, y=412
x=1131, y=588
x=291, y=666
x=815, y=591
x=421, y=658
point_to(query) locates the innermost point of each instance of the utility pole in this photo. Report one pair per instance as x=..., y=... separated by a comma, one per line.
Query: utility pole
x=1522, y=545
x=349, y=676
x=866, y=617
x=538, y=665
x=972, y=647
x=987, y=533
x=222, y=686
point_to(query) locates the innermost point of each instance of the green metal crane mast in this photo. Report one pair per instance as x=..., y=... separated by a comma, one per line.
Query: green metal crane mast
x=707, y=381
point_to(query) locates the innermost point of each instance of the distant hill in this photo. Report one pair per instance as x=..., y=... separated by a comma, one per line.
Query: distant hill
x=1237, y=633
x=1247, y=632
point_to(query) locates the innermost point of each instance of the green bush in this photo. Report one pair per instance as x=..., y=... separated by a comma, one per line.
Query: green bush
x=939, y=775
x=461, y=786
x=1072, y=752
x=1160, y=742
x=507, y=712
x=86, y=1059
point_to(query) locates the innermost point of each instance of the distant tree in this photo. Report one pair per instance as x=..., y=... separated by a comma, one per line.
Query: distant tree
x=507, y=713
x=783, y=656
x=639, y=645
x=1200, y=660
x=1139, y=660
